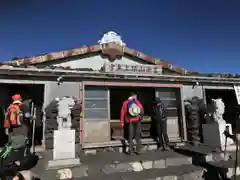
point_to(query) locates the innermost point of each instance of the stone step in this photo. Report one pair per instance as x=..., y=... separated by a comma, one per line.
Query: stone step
x=184, y=172
x=107, y=158
x=201, y=149
x=117, y=145
x=109, y=163
x=203, y=153
x=221, y=156
x=115, y=163
x=63, y=173
x=140, y=164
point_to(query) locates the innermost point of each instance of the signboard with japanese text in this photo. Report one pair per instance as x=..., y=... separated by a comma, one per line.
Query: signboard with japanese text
x=132, y=69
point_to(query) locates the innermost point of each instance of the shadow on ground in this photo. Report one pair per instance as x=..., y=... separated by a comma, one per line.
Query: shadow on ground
x=198, y=155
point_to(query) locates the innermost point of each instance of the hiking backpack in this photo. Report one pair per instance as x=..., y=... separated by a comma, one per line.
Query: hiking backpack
x=14, y=150
x=12, y=117
x=133, y=109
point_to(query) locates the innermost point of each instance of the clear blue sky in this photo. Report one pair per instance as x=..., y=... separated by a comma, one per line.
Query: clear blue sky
x=200, y=35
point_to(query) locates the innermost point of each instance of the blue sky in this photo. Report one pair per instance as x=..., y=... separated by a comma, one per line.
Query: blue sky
x=199, y=35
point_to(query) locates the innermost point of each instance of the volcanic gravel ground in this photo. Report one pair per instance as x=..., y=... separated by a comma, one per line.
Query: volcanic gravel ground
x=111, y=157
x=145, y=175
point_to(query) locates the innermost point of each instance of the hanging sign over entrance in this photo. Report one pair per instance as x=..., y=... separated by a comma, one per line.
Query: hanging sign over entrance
x=132, y=69
x=237, y=92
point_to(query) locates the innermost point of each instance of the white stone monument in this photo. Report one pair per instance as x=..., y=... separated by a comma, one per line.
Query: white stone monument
x=111, y=37
x=64, y=154
x=213, y=133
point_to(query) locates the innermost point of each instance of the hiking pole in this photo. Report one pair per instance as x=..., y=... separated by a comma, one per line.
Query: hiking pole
x=236, y=159
x=33, y=111
x=33, y=130
x=226, y=137
x=34, y=126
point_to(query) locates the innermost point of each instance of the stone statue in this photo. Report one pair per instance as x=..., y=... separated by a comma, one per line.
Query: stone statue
x=218, y=111
x=195, y=112
x=65, y=104
x=213, y=131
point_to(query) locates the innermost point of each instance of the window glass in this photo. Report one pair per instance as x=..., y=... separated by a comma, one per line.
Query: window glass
x=172, y=112
x=166, y=92
x=95, y=103
x=95, y=92
x=96, y=114
x=170, y=103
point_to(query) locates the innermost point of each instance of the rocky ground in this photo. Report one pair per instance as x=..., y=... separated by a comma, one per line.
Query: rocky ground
x=151, y=165
x=111, y=165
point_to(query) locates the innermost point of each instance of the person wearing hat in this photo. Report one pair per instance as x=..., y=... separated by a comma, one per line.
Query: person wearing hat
x=159, y=118
x=17, y=124
x=17, y=99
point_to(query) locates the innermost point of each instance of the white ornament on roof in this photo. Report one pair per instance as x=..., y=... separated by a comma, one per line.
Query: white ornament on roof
x=111, y=37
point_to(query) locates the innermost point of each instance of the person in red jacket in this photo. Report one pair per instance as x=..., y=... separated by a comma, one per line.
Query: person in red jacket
x=17, y=118
x=130, y=119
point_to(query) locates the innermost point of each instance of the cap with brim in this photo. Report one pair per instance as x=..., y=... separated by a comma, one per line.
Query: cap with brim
x=157, y=100
x=17, y=102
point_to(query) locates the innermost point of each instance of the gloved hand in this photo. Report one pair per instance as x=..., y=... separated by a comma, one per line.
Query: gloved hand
x=226, y=133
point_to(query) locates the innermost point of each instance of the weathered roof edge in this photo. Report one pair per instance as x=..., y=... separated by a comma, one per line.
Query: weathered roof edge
x=96, y=48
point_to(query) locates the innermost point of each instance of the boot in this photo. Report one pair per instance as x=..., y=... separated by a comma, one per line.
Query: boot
x=139, y=152
x=130, y=152
x=165, y=147
x=160, y=146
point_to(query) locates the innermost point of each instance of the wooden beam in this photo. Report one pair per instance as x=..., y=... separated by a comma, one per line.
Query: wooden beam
x=130, y=84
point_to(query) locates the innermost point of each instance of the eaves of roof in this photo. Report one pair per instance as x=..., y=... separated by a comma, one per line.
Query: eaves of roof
x=8, y=72
x=93, y=49
x=84, y=50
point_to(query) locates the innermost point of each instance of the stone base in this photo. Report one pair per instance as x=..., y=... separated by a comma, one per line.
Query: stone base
x=213, y=135
x=63, y=163
x=64, y=144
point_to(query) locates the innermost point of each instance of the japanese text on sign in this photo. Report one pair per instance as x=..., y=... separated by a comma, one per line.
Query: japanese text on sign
x=133, y=69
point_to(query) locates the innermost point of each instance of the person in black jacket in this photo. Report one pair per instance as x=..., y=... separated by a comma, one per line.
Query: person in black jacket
x=12, y=170
x=159, y=118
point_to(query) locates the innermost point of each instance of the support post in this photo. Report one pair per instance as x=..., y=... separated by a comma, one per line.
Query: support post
x=184, y=125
